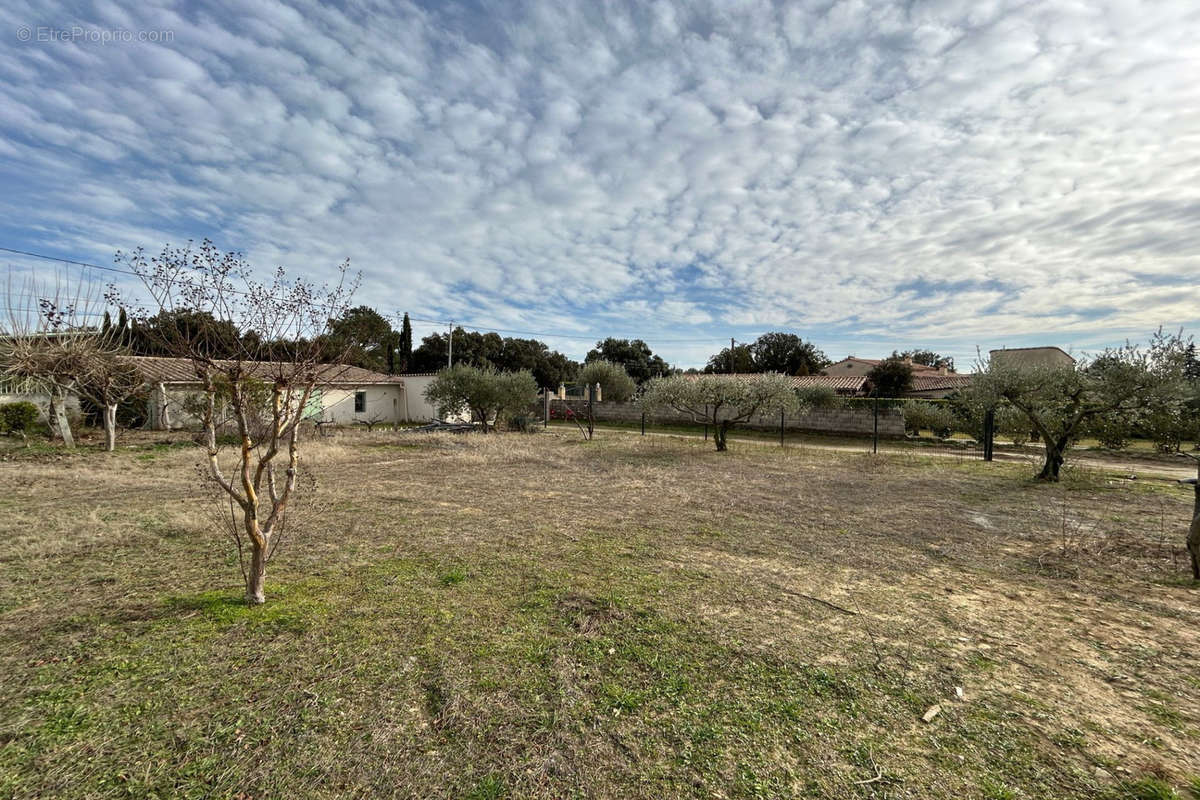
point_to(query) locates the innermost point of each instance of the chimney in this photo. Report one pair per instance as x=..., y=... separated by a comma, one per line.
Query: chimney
x=943, y=370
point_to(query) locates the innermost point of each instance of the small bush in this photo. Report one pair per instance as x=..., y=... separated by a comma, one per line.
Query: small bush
x=1013, y=423
x=20, y=417
x=817, y=397
x=1110, y=432
x=936, y=417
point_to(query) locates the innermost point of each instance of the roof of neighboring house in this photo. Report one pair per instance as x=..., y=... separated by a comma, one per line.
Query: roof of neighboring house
x=1032, y=352
x=839, y=383
x=874, y=362
x=933, y=383
x=857, y=384
x=159, y=369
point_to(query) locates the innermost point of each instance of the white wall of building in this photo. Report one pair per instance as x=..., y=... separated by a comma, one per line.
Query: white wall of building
x=382, y=403
x=414, y=406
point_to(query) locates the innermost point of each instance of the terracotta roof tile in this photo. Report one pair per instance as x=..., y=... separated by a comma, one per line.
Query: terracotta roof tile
x=839, y=383
x=930, y=383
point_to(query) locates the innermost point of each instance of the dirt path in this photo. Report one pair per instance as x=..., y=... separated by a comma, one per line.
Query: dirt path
x=1140, y=469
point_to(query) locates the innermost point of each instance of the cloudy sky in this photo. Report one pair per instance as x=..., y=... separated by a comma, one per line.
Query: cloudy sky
x=869, y=175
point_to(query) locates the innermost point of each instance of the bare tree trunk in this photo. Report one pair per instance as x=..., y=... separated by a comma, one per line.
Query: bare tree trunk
x=256, y=576
x=110, y=426
x=164, y=411
x=58, y=417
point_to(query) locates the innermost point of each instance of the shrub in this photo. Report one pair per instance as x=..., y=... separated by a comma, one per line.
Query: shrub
x=969, y=417
x=1170, y=426
x=1112, y=433
x=20, y=417
x=1013, y=424
x=817, y=397
x=936, y=417
x=615, y=384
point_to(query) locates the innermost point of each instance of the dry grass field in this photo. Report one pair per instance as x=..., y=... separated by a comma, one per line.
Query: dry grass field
x=538, y=616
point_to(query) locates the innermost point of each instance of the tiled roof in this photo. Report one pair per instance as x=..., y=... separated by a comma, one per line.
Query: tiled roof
x=874, y=362
x=846, y=384
x=158, y=369
x=932, y=383
x=839, y=383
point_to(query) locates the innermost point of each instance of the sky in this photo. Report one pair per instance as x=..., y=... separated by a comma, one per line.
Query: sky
x=869, y=175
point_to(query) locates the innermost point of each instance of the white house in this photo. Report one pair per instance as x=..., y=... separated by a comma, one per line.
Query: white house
x=343, y=394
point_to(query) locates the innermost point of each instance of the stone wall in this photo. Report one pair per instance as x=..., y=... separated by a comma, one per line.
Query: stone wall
x=853, y=420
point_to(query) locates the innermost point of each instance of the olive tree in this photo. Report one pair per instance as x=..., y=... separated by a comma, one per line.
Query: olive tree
x=482, y=391
x=615, y=383
x=1060, y=402
x=262, y=333
x=721, y=401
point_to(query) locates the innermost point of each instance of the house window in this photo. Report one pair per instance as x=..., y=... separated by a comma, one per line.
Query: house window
x=360, y=402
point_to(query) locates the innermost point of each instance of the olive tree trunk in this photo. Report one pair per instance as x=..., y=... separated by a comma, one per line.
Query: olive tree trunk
x=1054, y=460
x=720, y=432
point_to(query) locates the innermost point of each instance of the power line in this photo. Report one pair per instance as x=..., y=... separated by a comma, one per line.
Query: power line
x=66, y=260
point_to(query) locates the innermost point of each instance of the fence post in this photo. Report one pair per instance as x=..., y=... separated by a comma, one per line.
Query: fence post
x=989, y=433
x=591, y=420
x=643, y=423
x=875, y=434
x=781, y=413
x=706, y=422
x=546, y=409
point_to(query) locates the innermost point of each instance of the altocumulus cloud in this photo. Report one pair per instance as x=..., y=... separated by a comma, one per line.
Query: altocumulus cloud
x=867, y=173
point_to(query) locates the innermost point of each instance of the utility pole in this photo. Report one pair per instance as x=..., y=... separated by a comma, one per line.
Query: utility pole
x=450, y=352
x=731, y=346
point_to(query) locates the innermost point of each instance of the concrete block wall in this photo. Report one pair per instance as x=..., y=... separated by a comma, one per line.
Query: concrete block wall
x=856, y=420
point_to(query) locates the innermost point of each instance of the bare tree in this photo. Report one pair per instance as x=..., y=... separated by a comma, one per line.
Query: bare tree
x=48, y=344
x=108, y=380
x=269, y=333
x=372, y=419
